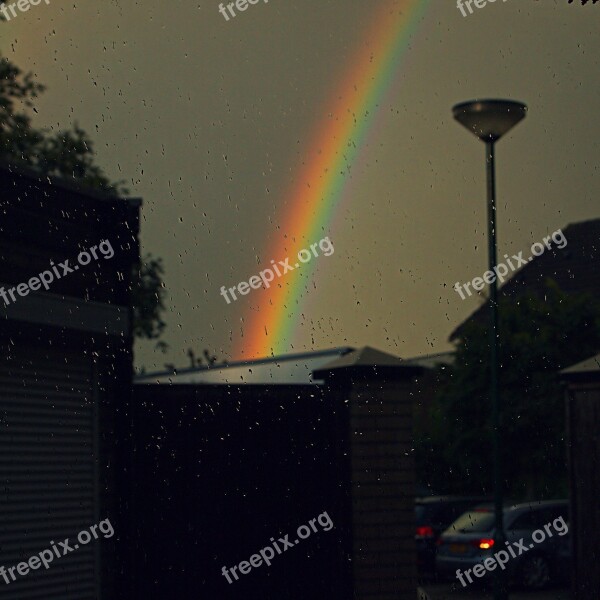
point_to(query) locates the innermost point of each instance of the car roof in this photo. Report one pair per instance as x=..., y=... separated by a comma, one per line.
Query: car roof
x=523, y=505
x=439, y=499
x=536, y=504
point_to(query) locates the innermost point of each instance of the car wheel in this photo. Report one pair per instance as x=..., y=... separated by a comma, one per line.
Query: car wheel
x=535, y=572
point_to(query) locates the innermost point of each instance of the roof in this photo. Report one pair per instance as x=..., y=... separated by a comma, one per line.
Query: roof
x=589, y=365
x=537, y=504
x=586, y=371
x=450, y=498
x=285, y=370
x=365, y=357
x=575, y=268
x=62, y=183
x=430, y=361
x=367, y=361
x=301, y=369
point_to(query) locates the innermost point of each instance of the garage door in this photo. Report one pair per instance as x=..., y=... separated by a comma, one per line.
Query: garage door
x=47, y=470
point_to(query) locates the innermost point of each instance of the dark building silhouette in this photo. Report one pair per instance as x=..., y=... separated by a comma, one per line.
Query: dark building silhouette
x=575, y=268
x=583, y=444
x=65, y=381
x=221, y=468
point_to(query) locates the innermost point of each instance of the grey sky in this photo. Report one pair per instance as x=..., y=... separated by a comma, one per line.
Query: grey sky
x=168, y=90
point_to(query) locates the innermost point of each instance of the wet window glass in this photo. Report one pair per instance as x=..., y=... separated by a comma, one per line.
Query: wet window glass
x=287, y=287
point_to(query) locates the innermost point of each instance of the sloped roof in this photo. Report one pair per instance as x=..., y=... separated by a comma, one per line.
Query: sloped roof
x=364, y=360
x=290, y=369
x=365, y=357
x=584, y=373
x=575, y=268
x=590, y=365
x=430, y=361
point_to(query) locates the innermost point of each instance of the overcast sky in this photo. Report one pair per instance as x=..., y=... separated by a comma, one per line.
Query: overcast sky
x=206, y=119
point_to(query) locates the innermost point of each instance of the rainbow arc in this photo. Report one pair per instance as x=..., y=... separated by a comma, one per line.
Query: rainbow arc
x=323, y=176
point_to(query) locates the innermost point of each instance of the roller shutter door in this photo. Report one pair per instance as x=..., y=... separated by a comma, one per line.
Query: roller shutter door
x=47, y=470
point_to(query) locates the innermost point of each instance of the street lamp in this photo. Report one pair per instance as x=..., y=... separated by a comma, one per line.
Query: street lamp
x=489, y=120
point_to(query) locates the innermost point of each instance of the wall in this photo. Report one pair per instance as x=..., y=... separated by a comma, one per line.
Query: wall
x=583, y=427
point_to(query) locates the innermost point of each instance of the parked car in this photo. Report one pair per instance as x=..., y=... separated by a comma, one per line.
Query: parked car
x=433, y=515
x=539, y=558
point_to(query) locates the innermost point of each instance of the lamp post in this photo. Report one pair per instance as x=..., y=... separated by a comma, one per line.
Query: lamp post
x=489, y=120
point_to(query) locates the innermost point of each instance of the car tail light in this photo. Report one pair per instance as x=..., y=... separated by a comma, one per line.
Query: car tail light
x=483, y=544
x=425, y=531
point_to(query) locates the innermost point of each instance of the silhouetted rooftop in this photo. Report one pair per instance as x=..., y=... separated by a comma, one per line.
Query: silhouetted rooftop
x=575, y=268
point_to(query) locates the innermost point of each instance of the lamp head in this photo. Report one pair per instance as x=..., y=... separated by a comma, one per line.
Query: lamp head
x=489, y=120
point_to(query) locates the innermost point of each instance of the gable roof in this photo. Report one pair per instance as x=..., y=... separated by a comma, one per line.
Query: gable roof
x=589, y=365
x=364, y=357
x=583, y=373
x=575, y=268
x=366, y=360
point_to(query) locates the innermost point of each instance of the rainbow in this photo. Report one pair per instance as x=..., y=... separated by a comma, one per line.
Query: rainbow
x=315, y=195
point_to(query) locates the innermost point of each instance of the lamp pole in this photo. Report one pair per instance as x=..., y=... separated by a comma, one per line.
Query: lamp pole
x=500, y=592
x=489, y=120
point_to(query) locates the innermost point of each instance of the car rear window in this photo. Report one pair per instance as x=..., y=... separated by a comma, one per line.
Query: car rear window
x=422, y=514
x=443, y=512
x=473, y=522
x=434, y=512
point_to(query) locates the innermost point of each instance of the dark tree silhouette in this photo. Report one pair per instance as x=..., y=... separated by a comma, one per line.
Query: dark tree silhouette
x=539, y=336
x=69, y=154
